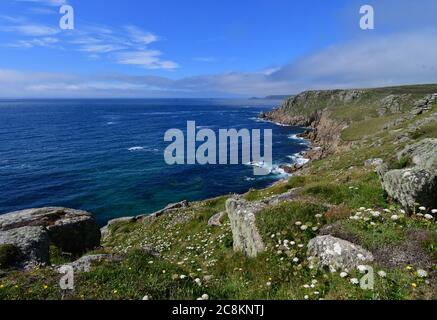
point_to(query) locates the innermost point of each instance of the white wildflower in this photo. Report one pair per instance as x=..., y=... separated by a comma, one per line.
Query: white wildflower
x=355, y=281
x=422, y=273
x=395, y=217
x=428, y=217
x=362, y=268
x=422, y=208
x=382, y=274
x=343, y=274
x=205, y=297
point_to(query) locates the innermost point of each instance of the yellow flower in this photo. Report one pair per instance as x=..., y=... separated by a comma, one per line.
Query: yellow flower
x=163, y=271
x=414, y=285
x=2, y=286
x=409, y=268
x=115, y=291
x=45, y=286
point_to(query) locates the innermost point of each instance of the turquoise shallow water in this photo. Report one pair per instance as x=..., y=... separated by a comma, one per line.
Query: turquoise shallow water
x=106, y=156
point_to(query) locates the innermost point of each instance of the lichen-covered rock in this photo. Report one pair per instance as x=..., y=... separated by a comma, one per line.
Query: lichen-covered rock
x=417, y=184
x=411, y=186
x=242, y=215
x=337, y=254
x=373, y=162
x=424, y=105
x=215, y=220
x=146, y=218
x=33, y=245
x=423, y=154
x=392, y=104
x=85, y=263
x=72, y=231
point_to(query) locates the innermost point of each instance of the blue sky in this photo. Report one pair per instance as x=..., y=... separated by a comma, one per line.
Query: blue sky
x=212, y=48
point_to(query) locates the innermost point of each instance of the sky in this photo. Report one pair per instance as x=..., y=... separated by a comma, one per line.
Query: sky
x=212, y=48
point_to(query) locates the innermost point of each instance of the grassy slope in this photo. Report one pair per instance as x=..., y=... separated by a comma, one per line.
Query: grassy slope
x=337, y=186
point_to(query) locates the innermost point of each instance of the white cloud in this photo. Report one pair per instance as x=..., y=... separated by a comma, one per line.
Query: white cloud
x=32, y=30
x=36, y=42
x=46, y=2
x=141, y=37
x=101, y=48
x=205, y=59
x=149, y=59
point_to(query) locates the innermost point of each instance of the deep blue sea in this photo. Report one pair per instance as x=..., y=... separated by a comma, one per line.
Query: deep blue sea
x=107, y=156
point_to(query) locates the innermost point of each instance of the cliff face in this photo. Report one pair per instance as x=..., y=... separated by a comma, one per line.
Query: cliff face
x=362, y=112
x=313, y=109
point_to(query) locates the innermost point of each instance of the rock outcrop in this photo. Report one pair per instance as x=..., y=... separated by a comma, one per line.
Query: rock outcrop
x=424, y=104
x=105, y=231
x=416, y=184
x=242, y=215
x=32, y=245
x=85, y=263
x=337, y=254
x=373, y=162
x=215, y=220
x=33, y=230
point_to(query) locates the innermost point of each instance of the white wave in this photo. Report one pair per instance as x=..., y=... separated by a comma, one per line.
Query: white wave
x=136, y=149
x=298, y=158
x=249, y=179
x=256, y=119
x=271, y=169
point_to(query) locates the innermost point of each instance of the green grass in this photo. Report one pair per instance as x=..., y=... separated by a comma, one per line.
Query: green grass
x=279, y=188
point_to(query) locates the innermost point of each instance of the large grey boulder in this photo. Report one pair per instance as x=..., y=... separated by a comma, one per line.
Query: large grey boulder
x=417, y=184
x=242, y=215
x=32, y=243
x=72, y=231
x=337, y=254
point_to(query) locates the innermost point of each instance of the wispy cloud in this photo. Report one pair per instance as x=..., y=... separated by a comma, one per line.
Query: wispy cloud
x=129, y=43
x=32, y=30
x=36, y=42
x=141, y=37
x=149, y=59
x=205, y=59
x=46, y=2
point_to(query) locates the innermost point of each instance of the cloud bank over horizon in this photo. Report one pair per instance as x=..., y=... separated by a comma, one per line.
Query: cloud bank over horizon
x=381, y=61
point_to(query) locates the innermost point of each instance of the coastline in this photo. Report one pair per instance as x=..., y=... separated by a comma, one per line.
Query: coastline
x=289, y=169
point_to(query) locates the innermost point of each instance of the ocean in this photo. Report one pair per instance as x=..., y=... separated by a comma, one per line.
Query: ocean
x=107, y=156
